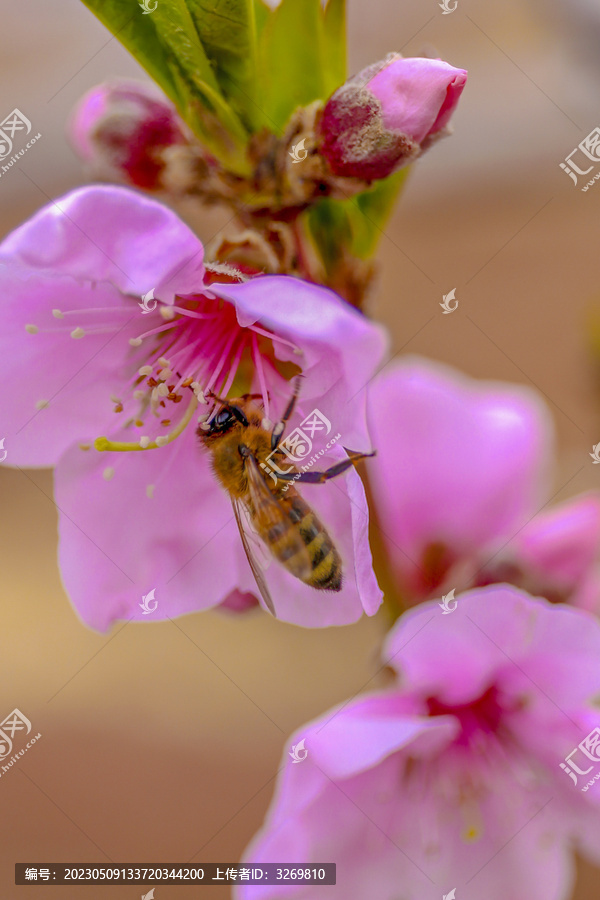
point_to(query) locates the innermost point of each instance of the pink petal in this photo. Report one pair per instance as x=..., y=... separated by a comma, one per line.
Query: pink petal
x=418, y=96
x=76, y=377
x=341, y=349
x=461, y=464
x=117, y=544
x=562, y=543
x=106, y=233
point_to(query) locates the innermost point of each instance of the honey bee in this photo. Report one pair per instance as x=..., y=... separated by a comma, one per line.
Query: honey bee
x=287, y=526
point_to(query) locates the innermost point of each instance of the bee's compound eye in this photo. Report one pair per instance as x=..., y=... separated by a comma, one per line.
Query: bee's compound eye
x=223, y=417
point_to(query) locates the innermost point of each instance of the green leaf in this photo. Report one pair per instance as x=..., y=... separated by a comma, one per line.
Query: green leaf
x=333, y=53
x=370, y=211
x=227, y=30
x=330, y=228
x=289, y=73
x=167, y=45
x=355, y=224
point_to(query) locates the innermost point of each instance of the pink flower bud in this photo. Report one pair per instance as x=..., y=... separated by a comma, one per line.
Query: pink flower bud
x=122, y=127
x=388, y=114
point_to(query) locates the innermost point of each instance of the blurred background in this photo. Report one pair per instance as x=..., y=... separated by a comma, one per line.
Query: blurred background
x=160, y=743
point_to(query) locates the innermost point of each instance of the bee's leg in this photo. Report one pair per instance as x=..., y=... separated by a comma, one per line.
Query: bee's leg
x=279, y=427
x=331, y=472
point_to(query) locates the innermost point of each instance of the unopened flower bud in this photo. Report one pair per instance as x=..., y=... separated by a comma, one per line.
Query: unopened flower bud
x=122, y=128
x=387, y=115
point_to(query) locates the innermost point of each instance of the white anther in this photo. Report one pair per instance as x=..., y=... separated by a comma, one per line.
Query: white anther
x=135, y=342
x=31, y=329
x=144, y=441
x=266, y=424
x=205, y=426
x=161, y=440
x=42, y=404
x=58, y=314
x=167, y=312
x=77, y=333
x=139, y=394
x=279, y=429
x=115, y=399
x=108, y=473
x=145, y=370
x=298, y=351
x=162, y=390
x=163, y=362
x=154, y=395
x=200, y=396
x=150, y=491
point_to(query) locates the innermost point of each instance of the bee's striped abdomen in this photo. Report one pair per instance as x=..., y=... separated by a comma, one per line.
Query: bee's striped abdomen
x=324, y=569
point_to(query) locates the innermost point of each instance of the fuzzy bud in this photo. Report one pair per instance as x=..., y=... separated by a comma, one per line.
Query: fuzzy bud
x=387, y=115
x=122, y=128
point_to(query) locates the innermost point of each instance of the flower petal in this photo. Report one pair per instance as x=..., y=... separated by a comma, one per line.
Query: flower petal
x=461, y=465
x=75, y=378
x=341, y=349
x=107, y=233
x=117, y=543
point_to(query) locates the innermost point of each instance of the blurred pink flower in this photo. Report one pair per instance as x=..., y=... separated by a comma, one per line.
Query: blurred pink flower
x=452, y=778
x=460, y=481
x=386, y=115
x=122, y=127
x=86, y=361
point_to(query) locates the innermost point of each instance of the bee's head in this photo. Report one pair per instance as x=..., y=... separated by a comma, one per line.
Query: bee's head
x=230, y=415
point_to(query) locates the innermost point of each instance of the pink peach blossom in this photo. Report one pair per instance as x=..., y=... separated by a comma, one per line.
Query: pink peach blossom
x=451, y=778
x=94, y=365
x=460, y=484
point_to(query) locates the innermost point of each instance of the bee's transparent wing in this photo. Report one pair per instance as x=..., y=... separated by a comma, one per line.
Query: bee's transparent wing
x=269, y=515
x=255, y=566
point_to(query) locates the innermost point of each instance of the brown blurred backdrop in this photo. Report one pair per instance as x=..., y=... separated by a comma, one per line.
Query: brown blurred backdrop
x=159, y=743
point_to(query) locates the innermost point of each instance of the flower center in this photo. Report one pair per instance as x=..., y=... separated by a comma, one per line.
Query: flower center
x=482, y=715
x=192, y=349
